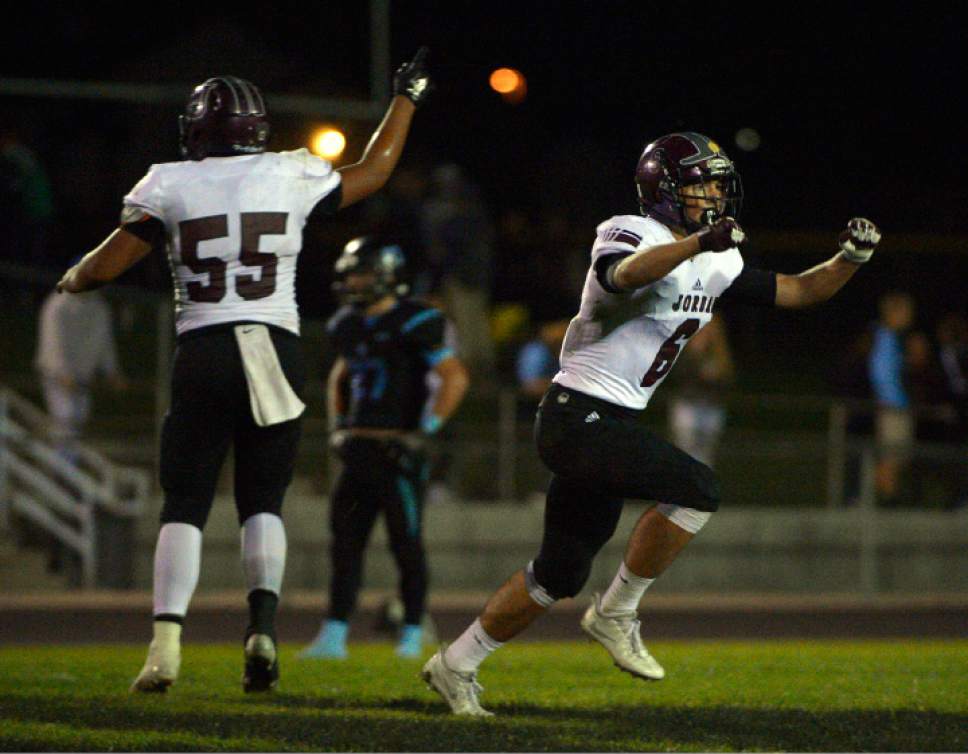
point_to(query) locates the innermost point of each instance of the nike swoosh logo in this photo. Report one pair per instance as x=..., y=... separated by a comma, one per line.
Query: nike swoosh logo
x=244, y=330
x=624, y=580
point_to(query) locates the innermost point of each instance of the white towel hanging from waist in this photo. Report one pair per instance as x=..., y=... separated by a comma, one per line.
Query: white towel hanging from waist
x=271, y=396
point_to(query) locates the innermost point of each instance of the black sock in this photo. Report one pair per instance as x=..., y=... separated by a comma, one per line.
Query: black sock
x=262, y=613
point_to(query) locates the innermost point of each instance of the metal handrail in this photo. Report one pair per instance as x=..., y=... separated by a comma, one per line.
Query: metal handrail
x=58, y=494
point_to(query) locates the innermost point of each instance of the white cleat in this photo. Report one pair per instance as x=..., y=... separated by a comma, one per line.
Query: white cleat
x=161, y=667
x=459, y=690
x=619, y=634
x=261, y=664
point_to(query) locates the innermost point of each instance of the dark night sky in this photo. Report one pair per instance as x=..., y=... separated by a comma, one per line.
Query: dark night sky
x=854, y=109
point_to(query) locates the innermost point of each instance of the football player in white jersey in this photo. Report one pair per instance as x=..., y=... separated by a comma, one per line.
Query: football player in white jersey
x=232, y=214
x=653, y=282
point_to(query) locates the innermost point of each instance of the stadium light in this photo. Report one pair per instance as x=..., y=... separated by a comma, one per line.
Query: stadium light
x=510, y=84
x=328, y=142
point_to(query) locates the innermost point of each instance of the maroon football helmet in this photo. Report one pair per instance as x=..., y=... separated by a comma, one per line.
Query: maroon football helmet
x=225, y=116
x=683, y=159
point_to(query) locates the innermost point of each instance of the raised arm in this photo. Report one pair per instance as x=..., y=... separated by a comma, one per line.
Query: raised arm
x=818, y=284
x=411, y=86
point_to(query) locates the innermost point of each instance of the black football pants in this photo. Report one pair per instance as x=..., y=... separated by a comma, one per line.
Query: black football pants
x=600, y=454
x=210, y=411
x=378, y=476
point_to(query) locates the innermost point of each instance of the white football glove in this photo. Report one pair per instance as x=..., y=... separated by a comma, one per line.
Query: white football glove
x=859, y=240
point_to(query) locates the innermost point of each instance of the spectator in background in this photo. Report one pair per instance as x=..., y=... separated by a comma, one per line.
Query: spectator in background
x=952, y=334
x=25, y=202
x=925, y=383
x=537, y=361
x=459, y=237
x=697, y=413
x=75, y=343
x=894, y=424
x=850, y=380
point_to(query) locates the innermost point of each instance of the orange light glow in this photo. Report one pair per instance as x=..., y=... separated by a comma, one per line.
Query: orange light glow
x=506, y=80
x=328, y=142
x=510, y=84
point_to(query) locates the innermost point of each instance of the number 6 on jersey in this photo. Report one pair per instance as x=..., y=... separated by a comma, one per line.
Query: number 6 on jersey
x=669, y=351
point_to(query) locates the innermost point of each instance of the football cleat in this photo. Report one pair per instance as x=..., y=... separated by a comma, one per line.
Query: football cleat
x=161, y=668
x=261, y=664
x=410, y=645
x=459, y=690
x=619, y=634
x=329, y=644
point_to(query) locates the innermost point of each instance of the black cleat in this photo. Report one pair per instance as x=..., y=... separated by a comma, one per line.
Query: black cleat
x=261, y=664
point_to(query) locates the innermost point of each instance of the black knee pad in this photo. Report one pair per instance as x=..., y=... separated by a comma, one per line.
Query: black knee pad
x=707, y=491
x=562, y=576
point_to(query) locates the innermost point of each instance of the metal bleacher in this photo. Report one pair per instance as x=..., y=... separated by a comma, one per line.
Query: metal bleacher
x=72, y=496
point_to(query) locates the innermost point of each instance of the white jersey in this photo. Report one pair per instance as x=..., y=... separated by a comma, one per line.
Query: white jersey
x=621, y=345
x=234, y=228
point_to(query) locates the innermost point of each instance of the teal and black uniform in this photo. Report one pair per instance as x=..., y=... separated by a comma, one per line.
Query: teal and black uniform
x=388, y=359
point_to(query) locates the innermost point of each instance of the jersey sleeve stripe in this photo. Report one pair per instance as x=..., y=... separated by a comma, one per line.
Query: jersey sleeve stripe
x=417, y=319
x=625, y=236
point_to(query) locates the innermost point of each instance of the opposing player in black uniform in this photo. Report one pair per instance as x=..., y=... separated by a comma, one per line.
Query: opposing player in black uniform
x=231, y=215
x=381, y=410
x=653, y=282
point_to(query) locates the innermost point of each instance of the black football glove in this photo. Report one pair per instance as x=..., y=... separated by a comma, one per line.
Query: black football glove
x=412, y=79
x=859, y=240
x=723, y=234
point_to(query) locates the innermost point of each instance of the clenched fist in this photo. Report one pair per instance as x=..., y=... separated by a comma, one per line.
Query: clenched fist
x=859, y=240
x=723, y=234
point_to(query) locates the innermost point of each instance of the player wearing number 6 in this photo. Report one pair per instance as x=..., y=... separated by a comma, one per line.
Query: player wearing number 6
x=653, y=282
x=231, y=215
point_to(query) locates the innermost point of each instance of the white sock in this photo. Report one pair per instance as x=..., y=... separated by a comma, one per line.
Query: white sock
x=263, y=552
x=178, y=558
x=471, y=649
x=624, y=593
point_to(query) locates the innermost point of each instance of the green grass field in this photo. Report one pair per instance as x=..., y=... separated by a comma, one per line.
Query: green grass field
x=718, y=696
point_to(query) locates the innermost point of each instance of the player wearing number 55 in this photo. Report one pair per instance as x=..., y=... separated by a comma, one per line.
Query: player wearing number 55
x=654, y=281
x=231, y=215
